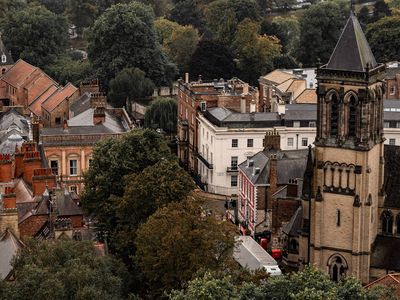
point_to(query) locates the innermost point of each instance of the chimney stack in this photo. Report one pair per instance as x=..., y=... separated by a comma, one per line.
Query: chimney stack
x=272, y=140
x=243, y=105
x=186, y=77
x=9, y=198
x=99, y=116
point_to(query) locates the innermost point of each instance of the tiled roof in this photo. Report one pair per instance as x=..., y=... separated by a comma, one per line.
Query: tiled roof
x=389, y=280
x=55, y=99
x=278, y=76
x=297, y=87
x=308, y=96
x=38, y=86
x=18, y=73
x=36, y=105
x=352, y=51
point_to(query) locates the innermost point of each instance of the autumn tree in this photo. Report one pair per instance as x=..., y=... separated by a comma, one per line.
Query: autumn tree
x=36, y=35
x=65, y=269
x=255, y=53
x=128, y=85
x=124, y=37
x=383, y=38
x=320, y=28
x=177, y=241
x=179, y=42
x=113, y=159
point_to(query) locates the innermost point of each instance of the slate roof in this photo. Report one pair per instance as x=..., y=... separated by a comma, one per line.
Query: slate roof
x=385, y=253
x=294, y=226
x=391, y=72
x=352, y=51
x=80, y=105
x=392, y=176
x=290, y=163
x=9, y=246
x=14, y=129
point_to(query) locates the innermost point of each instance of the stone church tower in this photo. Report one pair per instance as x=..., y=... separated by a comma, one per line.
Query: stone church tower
x=348, y=159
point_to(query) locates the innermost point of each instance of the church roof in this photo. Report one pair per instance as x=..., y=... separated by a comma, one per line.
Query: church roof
x=352, y=51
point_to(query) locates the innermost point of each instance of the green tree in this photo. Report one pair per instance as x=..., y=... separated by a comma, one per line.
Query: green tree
x=162, y=113
x=55, y=6
x=65, y=269
x=128, y=85
x=161, y=7
x=155, y=187
x=381, y=10
x=124, y=37
x=36, y=35
x=320, y=28
x=65, y=69
x=177, y=241
x=383, y=38
x=255, y=53
x=364, y=16
x=212, y=60
x=113, y=159
x=187, y=12
x=179, y=42
x=10, y=6
x=82, y=13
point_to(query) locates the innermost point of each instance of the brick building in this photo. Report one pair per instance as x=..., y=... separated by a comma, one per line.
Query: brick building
x=198, y=95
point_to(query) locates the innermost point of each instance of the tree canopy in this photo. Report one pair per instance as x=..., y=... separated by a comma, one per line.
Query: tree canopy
x=177, y=241
x=162, y=113
x=320, y=28
x=36, y=35
x=124, y=37
x=128, y=85
x=383, y=38
x=65, y=269
x=82, y=13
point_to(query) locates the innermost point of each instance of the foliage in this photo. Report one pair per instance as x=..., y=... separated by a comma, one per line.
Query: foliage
x=161, y=7
x=65, y=69
x=81, y=13
x=309, y=284
x=320, y=28
x=187, y=12
x=35, y=35
x=177, y=241
x=223, y=17
x=364, y=16
x=255, y=53
x=162, y=113
x=155, y=187
x=381, y=9
x=10, y=6
x=65, y=269
x=290, y=28
x=124, y=37
x=383, y=38
x=113, y=159
x=55, y=6
x=129, y=84
x=212, y=60
x=179, y=42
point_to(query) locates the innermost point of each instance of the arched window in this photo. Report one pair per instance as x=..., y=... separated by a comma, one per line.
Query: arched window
x=334, y=115
x=352, y=116
x=3, y=58
x=337, y=267
x=387, y=222
x=398, y=224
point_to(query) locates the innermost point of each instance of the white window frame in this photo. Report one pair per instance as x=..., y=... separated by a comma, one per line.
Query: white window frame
x=73, y=167
x=296, y=124
x=392, y=142
x=290, y=142
x=235, y=144
x=3, y=58
x=304, y=139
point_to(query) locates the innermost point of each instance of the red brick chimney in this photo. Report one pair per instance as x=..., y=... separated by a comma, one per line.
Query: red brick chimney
x=272, y=140
x=41, y=179
x=32, y=161
x=18, y=162
x=99, y=115
x=6, y=171
x=9, y=198
x=273, y=173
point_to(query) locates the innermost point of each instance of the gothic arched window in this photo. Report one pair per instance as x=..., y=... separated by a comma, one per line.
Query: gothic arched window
x=352, y=116
x=387, y=222
x=334, y=115
x=337, y=267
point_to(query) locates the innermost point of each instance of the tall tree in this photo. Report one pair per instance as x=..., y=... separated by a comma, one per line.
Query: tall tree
x=162, y=113
x=381, y=10
x=113, y=159
x=213, y=60
x=177, y=241
x=255, y=53
x=186, y=12
x=65, y=269
x=320, y=28
x=124, y=37
x=383, y=38
x=128, y=85
x=179, y=42
x=65, y=69
x=36, y=35
x=82, y=13
x=55, y=6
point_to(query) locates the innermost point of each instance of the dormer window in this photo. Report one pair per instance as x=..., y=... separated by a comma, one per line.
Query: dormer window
x=3, y=58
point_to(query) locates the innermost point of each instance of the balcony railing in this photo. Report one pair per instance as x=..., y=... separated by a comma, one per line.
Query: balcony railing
x=204, y=161
x=232, y=169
